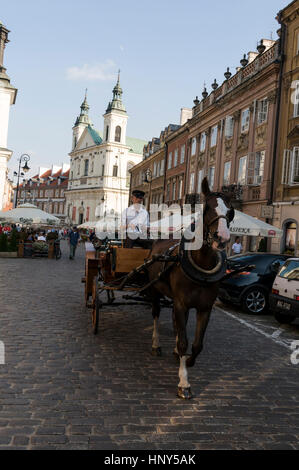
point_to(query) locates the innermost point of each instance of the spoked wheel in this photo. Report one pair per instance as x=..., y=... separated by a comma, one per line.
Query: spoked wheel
x=96, y=305
x=255, y=301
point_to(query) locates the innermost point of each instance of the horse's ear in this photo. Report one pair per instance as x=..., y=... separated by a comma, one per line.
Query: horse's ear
x=205, y=187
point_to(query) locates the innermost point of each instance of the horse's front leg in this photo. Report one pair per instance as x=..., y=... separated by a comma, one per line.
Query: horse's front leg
x=156, y=349
x=201, y=326
x=184, y=389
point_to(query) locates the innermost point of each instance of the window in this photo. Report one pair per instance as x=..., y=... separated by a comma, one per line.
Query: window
x=193, y=147
x=72, y=175
x=295, y=166
x=115, y=171
x=211, y=177
x=103, y=170
x=57, y=193
x=214, y=133
x=245, y=120
x=182, y=154
x=297, y=51
x=167, y=192
x=191, y=183
x=295, y=96
x=169, y=160
x=242, y=170
x=262, y=111
x=290, y=236
x=86, y=165
x=41, y=193
x=158, y=169
x=78, y=169
x=107, y=133
x=155, y=169
x=180, y=189
x=117, y=134
x=199, y=180
x=175, y=157
x=229, y=127
x=162, y=168
x=174, y=190
x=226, y=174
x=92, y=167
x=203, y=139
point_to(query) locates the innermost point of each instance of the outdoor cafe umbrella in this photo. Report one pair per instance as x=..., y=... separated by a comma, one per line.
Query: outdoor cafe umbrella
x=242, y=225
x=28, y=214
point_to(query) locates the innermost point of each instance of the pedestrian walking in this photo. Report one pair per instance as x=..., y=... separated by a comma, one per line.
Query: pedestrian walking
x=237, y=247
x=74, y=238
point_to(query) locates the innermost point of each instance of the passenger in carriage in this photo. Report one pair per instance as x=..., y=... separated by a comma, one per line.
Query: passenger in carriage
x=135, y=222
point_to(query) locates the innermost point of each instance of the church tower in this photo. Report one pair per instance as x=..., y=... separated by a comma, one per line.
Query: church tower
x=115, y=118
x=82, y=122
x=7, y=97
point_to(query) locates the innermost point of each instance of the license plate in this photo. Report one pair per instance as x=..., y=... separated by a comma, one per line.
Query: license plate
x=284, y=305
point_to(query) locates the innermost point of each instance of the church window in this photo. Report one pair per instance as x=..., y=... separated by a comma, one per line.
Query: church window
x=115, y=170
x=103, y=170
x=107, y=132
x=117, y=134
x=86, y=165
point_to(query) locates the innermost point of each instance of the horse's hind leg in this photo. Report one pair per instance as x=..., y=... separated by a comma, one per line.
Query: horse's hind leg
x=156, y=349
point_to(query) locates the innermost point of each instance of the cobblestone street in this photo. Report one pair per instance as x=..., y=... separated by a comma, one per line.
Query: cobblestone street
x=63, y=388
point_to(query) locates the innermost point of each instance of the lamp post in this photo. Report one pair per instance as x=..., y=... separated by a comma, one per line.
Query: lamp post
x=23, y=158
x=148, y=179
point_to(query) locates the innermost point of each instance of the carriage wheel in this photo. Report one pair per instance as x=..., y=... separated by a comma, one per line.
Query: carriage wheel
x=96, y=305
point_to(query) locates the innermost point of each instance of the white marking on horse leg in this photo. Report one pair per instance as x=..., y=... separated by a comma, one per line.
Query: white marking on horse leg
x=176, y=351
x=156, y=339
x=183, y=373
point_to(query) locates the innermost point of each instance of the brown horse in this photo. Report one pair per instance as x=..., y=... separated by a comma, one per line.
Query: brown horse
x=193, y=281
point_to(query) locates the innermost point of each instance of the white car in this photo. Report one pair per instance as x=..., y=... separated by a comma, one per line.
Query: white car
x=284, y=300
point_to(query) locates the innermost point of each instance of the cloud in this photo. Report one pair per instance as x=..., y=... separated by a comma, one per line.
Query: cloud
x=96, y=72
x=122, y=48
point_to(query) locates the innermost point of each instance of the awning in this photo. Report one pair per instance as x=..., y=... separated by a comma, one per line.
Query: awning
x=28, y=214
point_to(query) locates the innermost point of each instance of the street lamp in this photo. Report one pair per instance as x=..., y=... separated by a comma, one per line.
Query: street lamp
x=23, y=158
x=148, y=179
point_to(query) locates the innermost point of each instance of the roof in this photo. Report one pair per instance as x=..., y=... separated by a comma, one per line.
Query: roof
x=95, y=135
x=135, y=145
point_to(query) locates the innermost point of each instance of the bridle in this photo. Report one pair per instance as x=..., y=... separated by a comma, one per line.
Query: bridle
x=211, y=236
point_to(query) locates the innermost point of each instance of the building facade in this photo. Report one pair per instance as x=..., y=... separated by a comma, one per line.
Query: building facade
x=46, y=190
x=7, y=98
x=286, y=200
x=99, y=164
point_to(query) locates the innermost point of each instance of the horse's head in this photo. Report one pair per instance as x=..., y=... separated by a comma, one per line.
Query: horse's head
x=218, y=213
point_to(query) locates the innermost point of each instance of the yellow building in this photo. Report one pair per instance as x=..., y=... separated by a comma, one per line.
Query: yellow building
x=286, y=181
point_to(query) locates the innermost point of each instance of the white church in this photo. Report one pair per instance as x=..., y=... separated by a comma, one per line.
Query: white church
x=99, y=180
x=7, y=98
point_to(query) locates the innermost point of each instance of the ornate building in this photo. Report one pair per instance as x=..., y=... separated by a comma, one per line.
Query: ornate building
x=7, y=97
x=286, y=200
x=46, y=190
x=100, y=163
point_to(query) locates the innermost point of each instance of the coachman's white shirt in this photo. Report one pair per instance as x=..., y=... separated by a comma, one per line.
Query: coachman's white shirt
x=136, y=219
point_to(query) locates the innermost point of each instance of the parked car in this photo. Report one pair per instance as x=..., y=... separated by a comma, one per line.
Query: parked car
x=284, y=300
x=251, y=288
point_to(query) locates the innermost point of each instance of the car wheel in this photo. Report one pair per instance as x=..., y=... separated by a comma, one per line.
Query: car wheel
x=284, y=319
x=255, y=301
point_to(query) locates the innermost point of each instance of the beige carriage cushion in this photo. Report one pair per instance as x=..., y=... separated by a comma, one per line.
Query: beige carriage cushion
x=128, y=259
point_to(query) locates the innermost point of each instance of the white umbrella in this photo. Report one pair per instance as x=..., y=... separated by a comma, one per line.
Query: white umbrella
x=90, y=225
x=244, y=224
x=28, y=214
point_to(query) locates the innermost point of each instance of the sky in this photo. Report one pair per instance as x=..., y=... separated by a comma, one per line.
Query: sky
x=166, y=50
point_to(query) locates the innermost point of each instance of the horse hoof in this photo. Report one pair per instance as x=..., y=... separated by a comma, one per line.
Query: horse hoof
x=156, y=352
x=184, y=393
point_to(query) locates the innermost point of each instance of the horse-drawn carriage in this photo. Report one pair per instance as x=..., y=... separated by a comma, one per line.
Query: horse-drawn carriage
x=169, y=272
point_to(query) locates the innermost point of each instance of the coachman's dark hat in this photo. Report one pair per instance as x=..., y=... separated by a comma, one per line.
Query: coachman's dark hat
x=138, y=194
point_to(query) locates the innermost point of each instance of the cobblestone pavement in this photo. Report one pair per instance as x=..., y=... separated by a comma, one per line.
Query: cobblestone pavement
x=64, y=388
